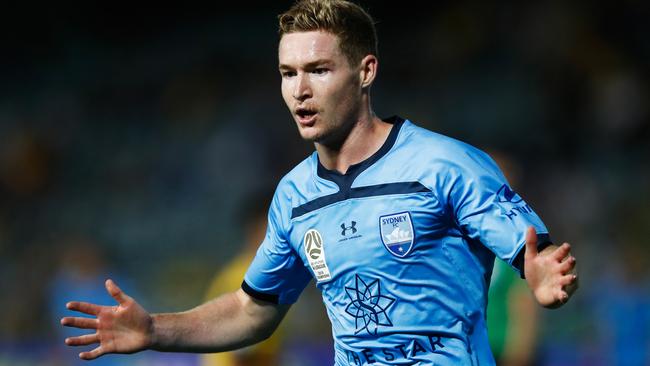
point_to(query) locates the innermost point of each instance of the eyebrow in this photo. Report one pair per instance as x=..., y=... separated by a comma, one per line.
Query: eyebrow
x=308, y=65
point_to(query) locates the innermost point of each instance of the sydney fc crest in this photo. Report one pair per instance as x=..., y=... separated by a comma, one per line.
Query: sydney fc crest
x=396, y=232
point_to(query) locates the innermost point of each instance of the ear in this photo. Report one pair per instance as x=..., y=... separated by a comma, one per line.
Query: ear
x=368, y=70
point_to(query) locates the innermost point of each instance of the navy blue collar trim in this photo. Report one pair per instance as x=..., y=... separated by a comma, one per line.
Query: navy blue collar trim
x=344, y=181
x=359, y=192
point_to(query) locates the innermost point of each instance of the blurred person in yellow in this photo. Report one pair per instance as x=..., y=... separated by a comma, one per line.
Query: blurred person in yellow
x=253, y=220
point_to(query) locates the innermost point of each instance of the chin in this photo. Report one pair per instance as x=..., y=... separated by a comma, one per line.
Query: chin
x=310, y=138
x=309, y=134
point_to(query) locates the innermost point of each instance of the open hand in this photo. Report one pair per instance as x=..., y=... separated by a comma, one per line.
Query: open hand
x=550, y=273
x=124, y=328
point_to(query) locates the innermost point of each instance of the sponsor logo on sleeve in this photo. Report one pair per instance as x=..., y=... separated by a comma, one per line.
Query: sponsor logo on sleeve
x=512, y=204
x=315, y=253
x=505, y=194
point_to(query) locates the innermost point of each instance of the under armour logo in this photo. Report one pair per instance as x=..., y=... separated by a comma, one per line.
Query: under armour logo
x=352, y=227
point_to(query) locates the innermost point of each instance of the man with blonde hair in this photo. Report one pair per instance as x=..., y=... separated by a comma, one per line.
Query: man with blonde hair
x=398, y=226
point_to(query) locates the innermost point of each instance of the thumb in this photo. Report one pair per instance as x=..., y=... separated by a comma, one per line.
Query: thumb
x=116, y=292
x=531, y=243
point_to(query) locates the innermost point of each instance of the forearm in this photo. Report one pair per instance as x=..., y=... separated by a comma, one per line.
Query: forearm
x=228, y=322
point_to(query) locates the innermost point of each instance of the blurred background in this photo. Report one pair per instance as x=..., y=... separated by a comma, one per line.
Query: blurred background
x=133, y=139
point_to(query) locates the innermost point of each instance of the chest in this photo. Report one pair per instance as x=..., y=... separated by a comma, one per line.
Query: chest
x=371, y=232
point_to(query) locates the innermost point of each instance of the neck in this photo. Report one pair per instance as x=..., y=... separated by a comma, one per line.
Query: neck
x=365, y=137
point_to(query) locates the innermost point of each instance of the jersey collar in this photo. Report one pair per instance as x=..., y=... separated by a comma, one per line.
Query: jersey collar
x=344, y=181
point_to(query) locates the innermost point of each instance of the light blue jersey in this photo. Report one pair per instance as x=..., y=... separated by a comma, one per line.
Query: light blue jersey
x=401, y=247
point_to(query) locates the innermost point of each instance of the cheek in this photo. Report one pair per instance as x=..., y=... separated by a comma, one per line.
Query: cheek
x=334, y=93
x=285, y=90
x=343, y=97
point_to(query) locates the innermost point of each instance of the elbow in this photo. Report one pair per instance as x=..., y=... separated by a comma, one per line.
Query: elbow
x=265, y=329
x=263, y=318
x=265, y=334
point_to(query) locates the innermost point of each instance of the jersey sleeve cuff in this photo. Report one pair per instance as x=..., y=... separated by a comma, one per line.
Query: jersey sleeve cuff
x=258, y=295
x=543, y=241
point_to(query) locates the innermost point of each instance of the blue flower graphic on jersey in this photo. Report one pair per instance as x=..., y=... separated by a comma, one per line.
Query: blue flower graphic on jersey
x=368, y=306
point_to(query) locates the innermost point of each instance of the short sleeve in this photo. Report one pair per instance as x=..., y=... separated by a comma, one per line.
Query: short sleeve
x=487, y=209
x=277, y=273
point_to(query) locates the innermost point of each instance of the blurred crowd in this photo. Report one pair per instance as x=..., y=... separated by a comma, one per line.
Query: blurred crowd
x=131, y=141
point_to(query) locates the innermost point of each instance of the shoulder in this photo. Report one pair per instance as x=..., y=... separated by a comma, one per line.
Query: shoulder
x=297, y=178
x=295, y=187
x=438, y=149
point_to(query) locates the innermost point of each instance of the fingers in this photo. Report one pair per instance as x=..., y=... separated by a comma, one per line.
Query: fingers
x=563, y=293
x=567, y=265
x=82, y=340
x=531, y=242
x=116, y=292
x=567, y=280
x=84, y=307
x=83, y=323
x=91, y=355
x=561, y=252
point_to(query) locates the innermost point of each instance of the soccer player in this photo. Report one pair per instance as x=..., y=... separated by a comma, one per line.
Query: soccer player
x=398, y=226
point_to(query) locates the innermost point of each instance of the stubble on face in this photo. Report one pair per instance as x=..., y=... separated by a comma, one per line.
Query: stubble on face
x=319, y=86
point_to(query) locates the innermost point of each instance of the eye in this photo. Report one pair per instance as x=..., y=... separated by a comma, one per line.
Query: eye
x=288, y=74
x=320, y=70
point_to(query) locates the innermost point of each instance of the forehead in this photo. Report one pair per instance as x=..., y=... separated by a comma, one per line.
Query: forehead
x=303, y=47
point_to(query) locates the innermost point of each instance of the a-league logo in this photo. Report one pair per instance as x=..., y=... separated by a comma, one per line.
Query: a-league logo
x=313, y=244
x=315, y=253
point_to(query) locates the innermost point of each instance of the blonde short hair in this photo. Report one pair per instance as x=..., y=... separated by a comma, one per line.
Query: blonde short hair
x=346, y=20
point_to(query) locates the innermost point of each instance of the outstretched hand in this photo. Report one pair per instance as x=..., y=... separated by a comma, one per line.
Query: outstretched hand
x=550, y=273
x=124, y=328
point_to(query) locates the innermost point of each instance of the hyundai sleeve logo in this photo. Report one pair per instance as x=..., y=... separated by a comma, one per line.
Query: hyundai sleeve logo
x=505, y=194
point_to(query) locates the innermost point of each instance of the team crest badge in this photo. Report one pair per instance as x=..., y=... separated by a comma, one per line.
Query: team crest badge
x=396, y=232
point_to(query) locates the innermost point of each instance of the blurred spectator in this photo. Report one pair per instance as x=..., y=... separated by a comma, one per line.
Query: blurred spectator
x=254, y=221
x=513, y=313
x=512, y=318
x=82, y=268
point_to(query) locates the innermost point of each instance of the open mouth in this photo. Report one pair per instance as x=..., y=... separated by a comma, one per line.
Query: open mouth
x=305, y=115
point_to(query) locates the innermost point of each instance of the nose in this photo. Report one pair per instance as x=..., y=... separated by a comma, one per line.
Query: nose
x=302, y=88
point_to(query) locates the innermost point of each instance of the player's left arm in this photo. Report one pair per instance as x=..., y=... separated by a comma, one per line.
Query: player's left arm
x=550, y=273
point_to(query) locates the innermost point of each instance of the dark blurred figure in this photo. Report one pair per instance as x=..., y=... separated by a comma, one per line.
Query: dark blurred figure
x=254, y=220
x=512, y=314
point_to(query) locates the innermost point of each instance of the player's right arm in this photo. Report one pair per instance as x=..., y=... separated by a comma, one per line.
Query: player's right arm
x=228, y=322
